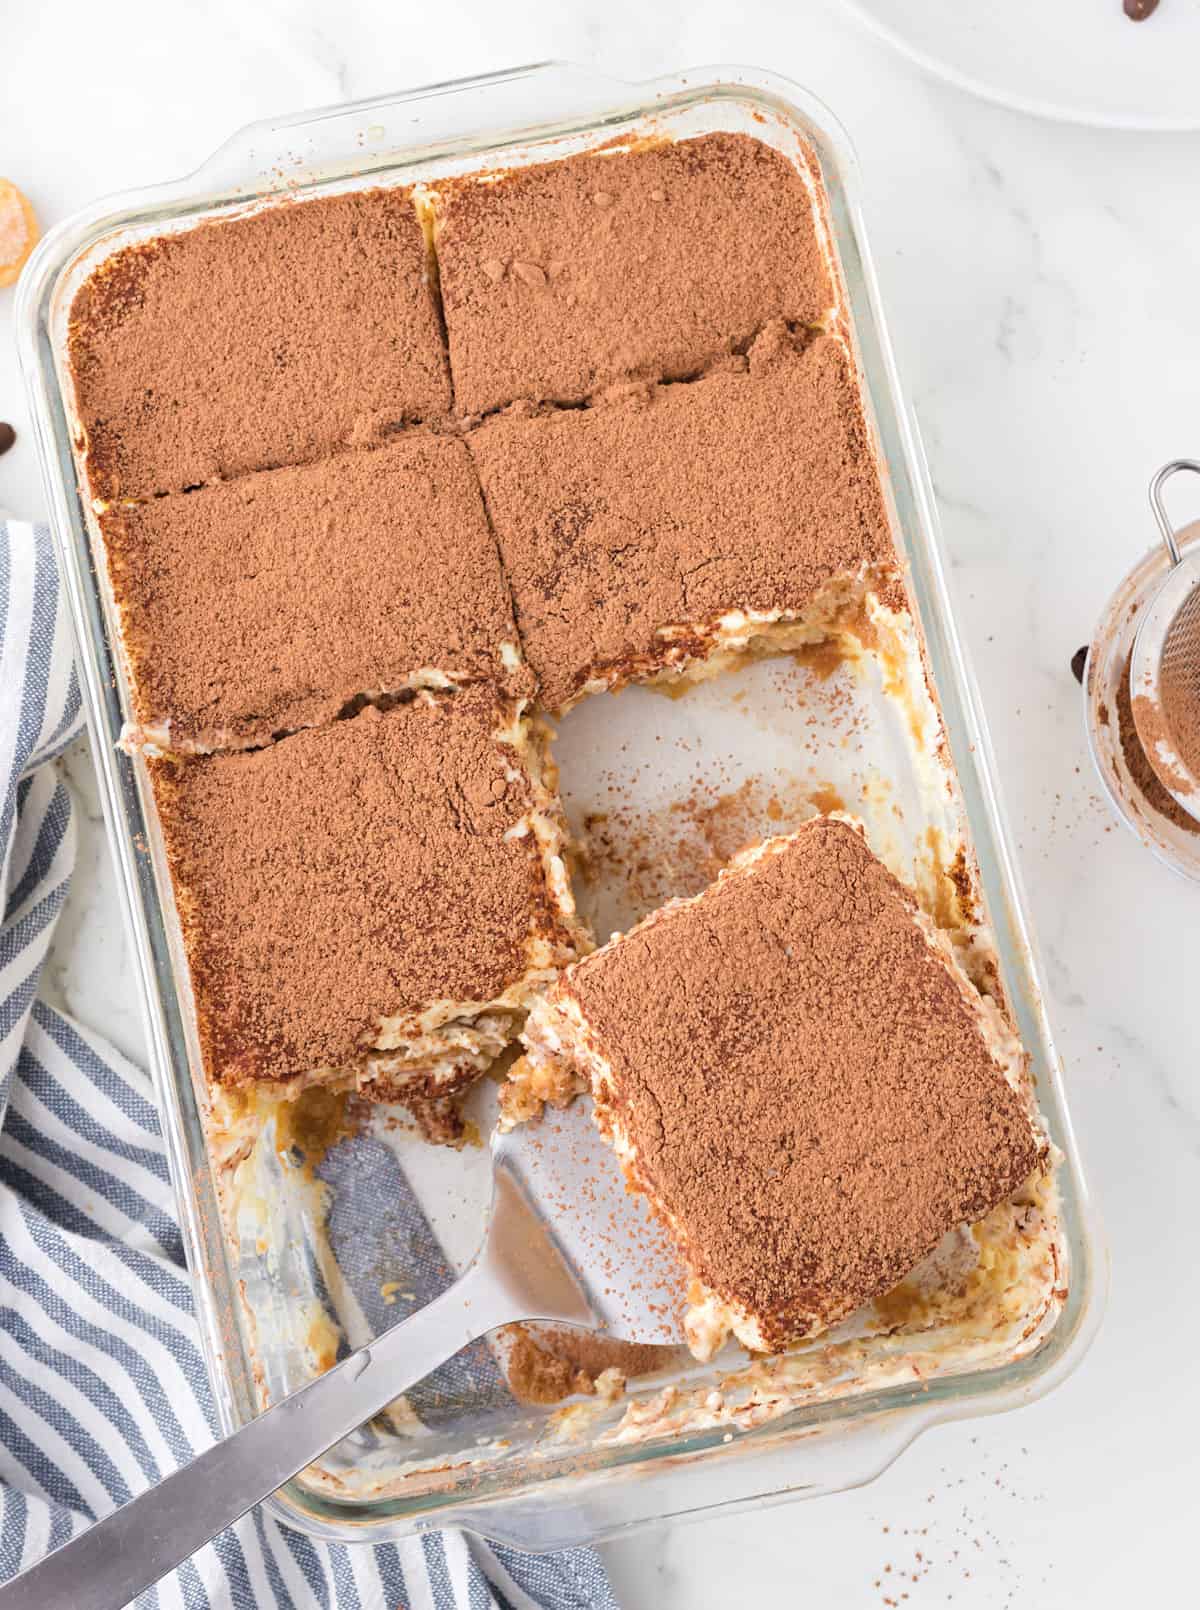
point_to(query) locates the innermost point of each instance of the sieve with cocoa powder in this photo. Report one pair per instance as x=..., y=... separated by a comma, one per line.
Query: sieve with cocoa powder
x=1164, y=672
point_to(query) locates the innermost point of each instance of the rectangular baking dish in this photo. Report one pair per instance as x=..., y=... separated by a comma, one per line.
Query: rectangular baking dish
x=535, y=1478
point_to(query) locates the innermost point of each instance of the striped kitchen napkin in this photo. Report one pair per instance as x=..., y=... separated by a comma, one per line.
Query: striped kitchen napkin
x=102, y=1384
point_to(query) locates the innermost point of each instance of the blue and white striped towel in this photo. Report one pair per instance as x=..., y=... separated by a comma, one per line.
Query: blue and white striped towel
x=102, y=1384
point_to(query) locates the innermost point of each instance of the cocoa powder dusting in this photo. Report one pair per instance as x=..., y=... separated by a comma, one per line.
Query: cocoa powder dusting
x=809, y=1094
x=562, y=277
x=348, y=873
x=1180, y=698
x=673, y=505
x=273, y=339
x=1141, y=772
x=661, y=855
x=545, y=1364
x=319, y=583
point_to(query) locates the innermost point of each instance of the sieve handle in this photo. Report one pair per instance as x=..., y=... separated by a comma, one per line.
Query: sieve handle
x=1156, y=502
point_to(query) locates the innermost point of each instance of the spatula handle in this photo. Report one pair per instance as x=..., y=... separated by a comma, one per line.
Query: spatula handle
x=107, y=1566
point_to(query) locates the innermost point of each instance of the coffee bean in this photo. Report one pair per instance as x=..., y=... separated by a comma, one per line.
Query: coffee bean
x=7, y=436
x=1139, y=10
x=1078, y=661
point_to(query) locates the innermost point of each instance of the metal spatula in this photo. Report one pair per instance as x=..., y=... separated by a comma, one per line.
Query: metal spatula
x=565, y=1241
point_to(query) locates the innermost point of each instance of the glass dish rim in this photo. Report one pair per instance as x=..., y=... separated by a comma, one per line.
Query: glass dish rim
x=617, y=102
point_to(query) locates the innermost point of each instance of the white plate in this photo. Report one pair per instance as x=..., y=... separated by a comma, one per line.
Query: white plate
x=1082, y=61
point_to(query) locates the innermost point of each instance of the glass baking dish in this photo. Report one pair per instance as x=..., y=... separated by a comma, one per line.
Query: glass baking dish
x=544, y=1479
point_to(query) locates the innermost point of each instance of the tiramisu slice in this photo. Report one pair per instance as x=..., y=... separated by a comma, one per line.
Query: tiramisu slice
x=794, y=1069
x=261, y=605
x=652, y=531
x=562, y=277
x=371, y=902
x=270, y=339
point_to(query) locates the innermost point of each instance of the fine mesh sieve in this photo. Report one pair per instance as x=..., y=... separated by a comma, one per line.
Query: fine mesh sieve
x=1164, y=672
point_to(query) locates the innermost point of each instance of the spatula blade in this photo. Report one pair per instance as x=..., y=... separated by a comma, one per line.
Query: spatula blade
x=620, y=1252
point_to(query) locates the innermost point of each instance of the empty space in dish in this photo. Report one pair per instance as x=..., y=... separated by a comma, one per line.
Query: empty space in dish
x=661, y=786
x=659, y=790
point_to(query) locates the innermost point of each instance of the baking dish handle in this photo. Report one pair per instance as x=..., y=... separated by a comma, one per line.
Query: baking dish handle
x=710, y=1479
x=277, y=148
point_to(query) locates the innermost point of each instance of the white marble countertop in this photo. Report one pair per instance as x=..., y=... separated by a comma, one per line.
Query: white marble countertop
x=1041, y=284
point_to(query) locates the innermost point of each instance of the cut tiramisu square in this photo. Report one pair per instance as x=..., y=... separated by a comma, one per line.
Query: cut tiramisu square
x=560, y=278
x=658, y=529
x=269, y=339
x=373, y=901
x=798, y=1074
x=261, y=605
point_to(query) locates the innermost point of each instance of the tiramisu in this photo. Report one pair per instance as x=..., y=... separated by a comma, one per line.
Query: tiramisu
x=264, y=604
x=269, y=339
x=795, y=1070
x=670, y=522
x=383, y=476
x=560, y=278
x=373, y=900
